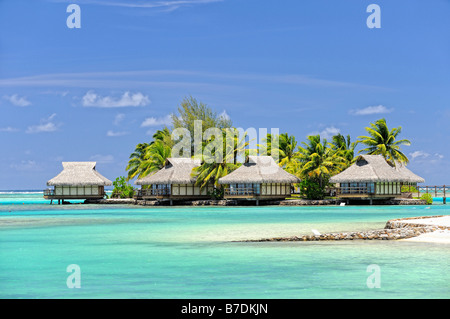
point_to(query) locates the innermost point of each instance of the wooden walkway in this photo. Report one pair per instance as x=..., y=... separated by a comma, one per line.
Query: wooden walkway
x=435, y=191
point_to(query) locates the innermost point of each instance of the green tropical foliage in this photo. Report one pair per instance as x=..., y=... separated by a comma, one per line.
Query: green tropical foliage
x=314, y=161
x=382, y=141
x=287, y=146
x=190, y=110
x=345, y=146
x=409, y=189
x=311, y=189
x=318, y=160
x=285, y=152
x=149, y=158
x=122, y=189
x=136, y=159
x=428, y=198
x=212, y=170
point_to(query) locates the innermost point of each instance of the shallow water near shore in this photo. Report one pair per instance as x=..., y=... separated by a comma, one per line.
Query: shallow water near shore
x=189, y=252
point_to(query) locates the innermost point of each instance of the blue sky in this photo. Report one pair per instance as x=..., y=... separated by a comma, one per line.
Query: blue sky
x=301, y=66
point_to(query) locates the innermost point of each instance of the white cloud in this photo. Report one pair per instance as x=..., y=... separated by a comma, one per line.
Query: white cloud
x=379, y=109
x=111, y=133
x=168, y=4
x=53, y=92
x=17, y=100
x=9, y=129
x=119, y=118
x=47, y=125
x=102, y=159
x=418, y=154
x=185, y=79
x=327, y=133
x=153, y=121
x=92, y=99
x=225, y=115
x=25, y=166
x=422, y=156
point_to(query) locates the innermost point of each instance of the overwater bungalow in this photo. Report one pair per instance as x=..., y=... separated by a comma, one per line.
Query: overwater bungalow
x=260, y=178
x=78, y=180
x=371, y=177
x=173, y=182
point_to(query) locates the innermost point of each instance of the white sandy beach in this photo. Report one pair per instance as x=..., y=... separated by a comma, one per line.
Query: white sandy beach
x=439, y=236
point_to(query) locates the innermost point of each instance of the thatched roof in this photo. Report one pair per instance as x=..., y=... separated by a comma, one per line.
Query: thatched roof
x=259, y=169
x=79, y=174
x=175, y=171
x=374, y=168
x=410, y=176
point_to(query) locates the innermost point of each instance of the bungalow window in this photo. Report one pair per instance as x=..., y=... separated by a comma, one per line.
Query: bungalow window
x=357, y=188
x=244, y=189
x=257, y=188
x=161, y=189
x=345, y=188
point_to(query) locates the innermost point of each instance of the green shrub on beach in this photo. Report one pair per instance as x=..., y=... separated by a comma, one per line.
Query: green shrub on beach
x=122, y=189
x=311, y=189
x=217, y=193
x=428, y=198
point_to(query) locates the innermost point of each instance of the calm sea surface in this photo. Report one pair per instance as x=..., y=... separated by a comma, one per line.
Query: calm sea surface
x=188, y=252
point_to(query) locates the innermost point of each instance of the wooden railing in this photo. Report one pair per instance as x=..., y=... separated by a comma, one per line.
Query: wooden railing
x=435, y=191
x=49, y=192
x=354, y=190
x=153, y=192
x=242, y=191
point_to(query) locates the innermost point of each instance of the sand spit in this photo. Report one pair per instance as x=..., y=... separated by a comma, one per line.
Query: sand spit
x=434, y=229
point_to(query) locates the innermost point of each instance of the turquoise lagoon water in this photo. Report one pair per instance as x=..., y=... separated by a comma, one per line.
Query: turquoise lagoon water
x=190, y=252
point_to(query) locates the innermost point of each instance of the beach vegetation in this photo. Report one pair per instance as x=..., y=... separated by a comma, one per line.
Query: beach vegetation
x=122, y=189
x=220, y=160
x=345, y=146
x=427, y=198
x=149, y=158
x=311, y=189
x=385, y=142
x=191, y=110
x=314, y=161
x=318, y=160
x=285, y=148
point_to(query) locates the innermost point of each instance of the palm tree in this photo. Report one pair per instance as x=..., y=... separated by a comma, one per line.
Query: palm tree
x=163, y=135
x=382, y=141
x=136, y=159
x=286, y=148
x=211, y=171
x=149, y=158
x=345, y=146
x=155, y=158
x=318, y=161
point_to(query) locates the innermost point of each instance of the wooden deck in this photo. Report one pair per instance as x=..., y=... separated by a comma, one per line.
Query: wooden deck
x=407, y=191
x=49, y=194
